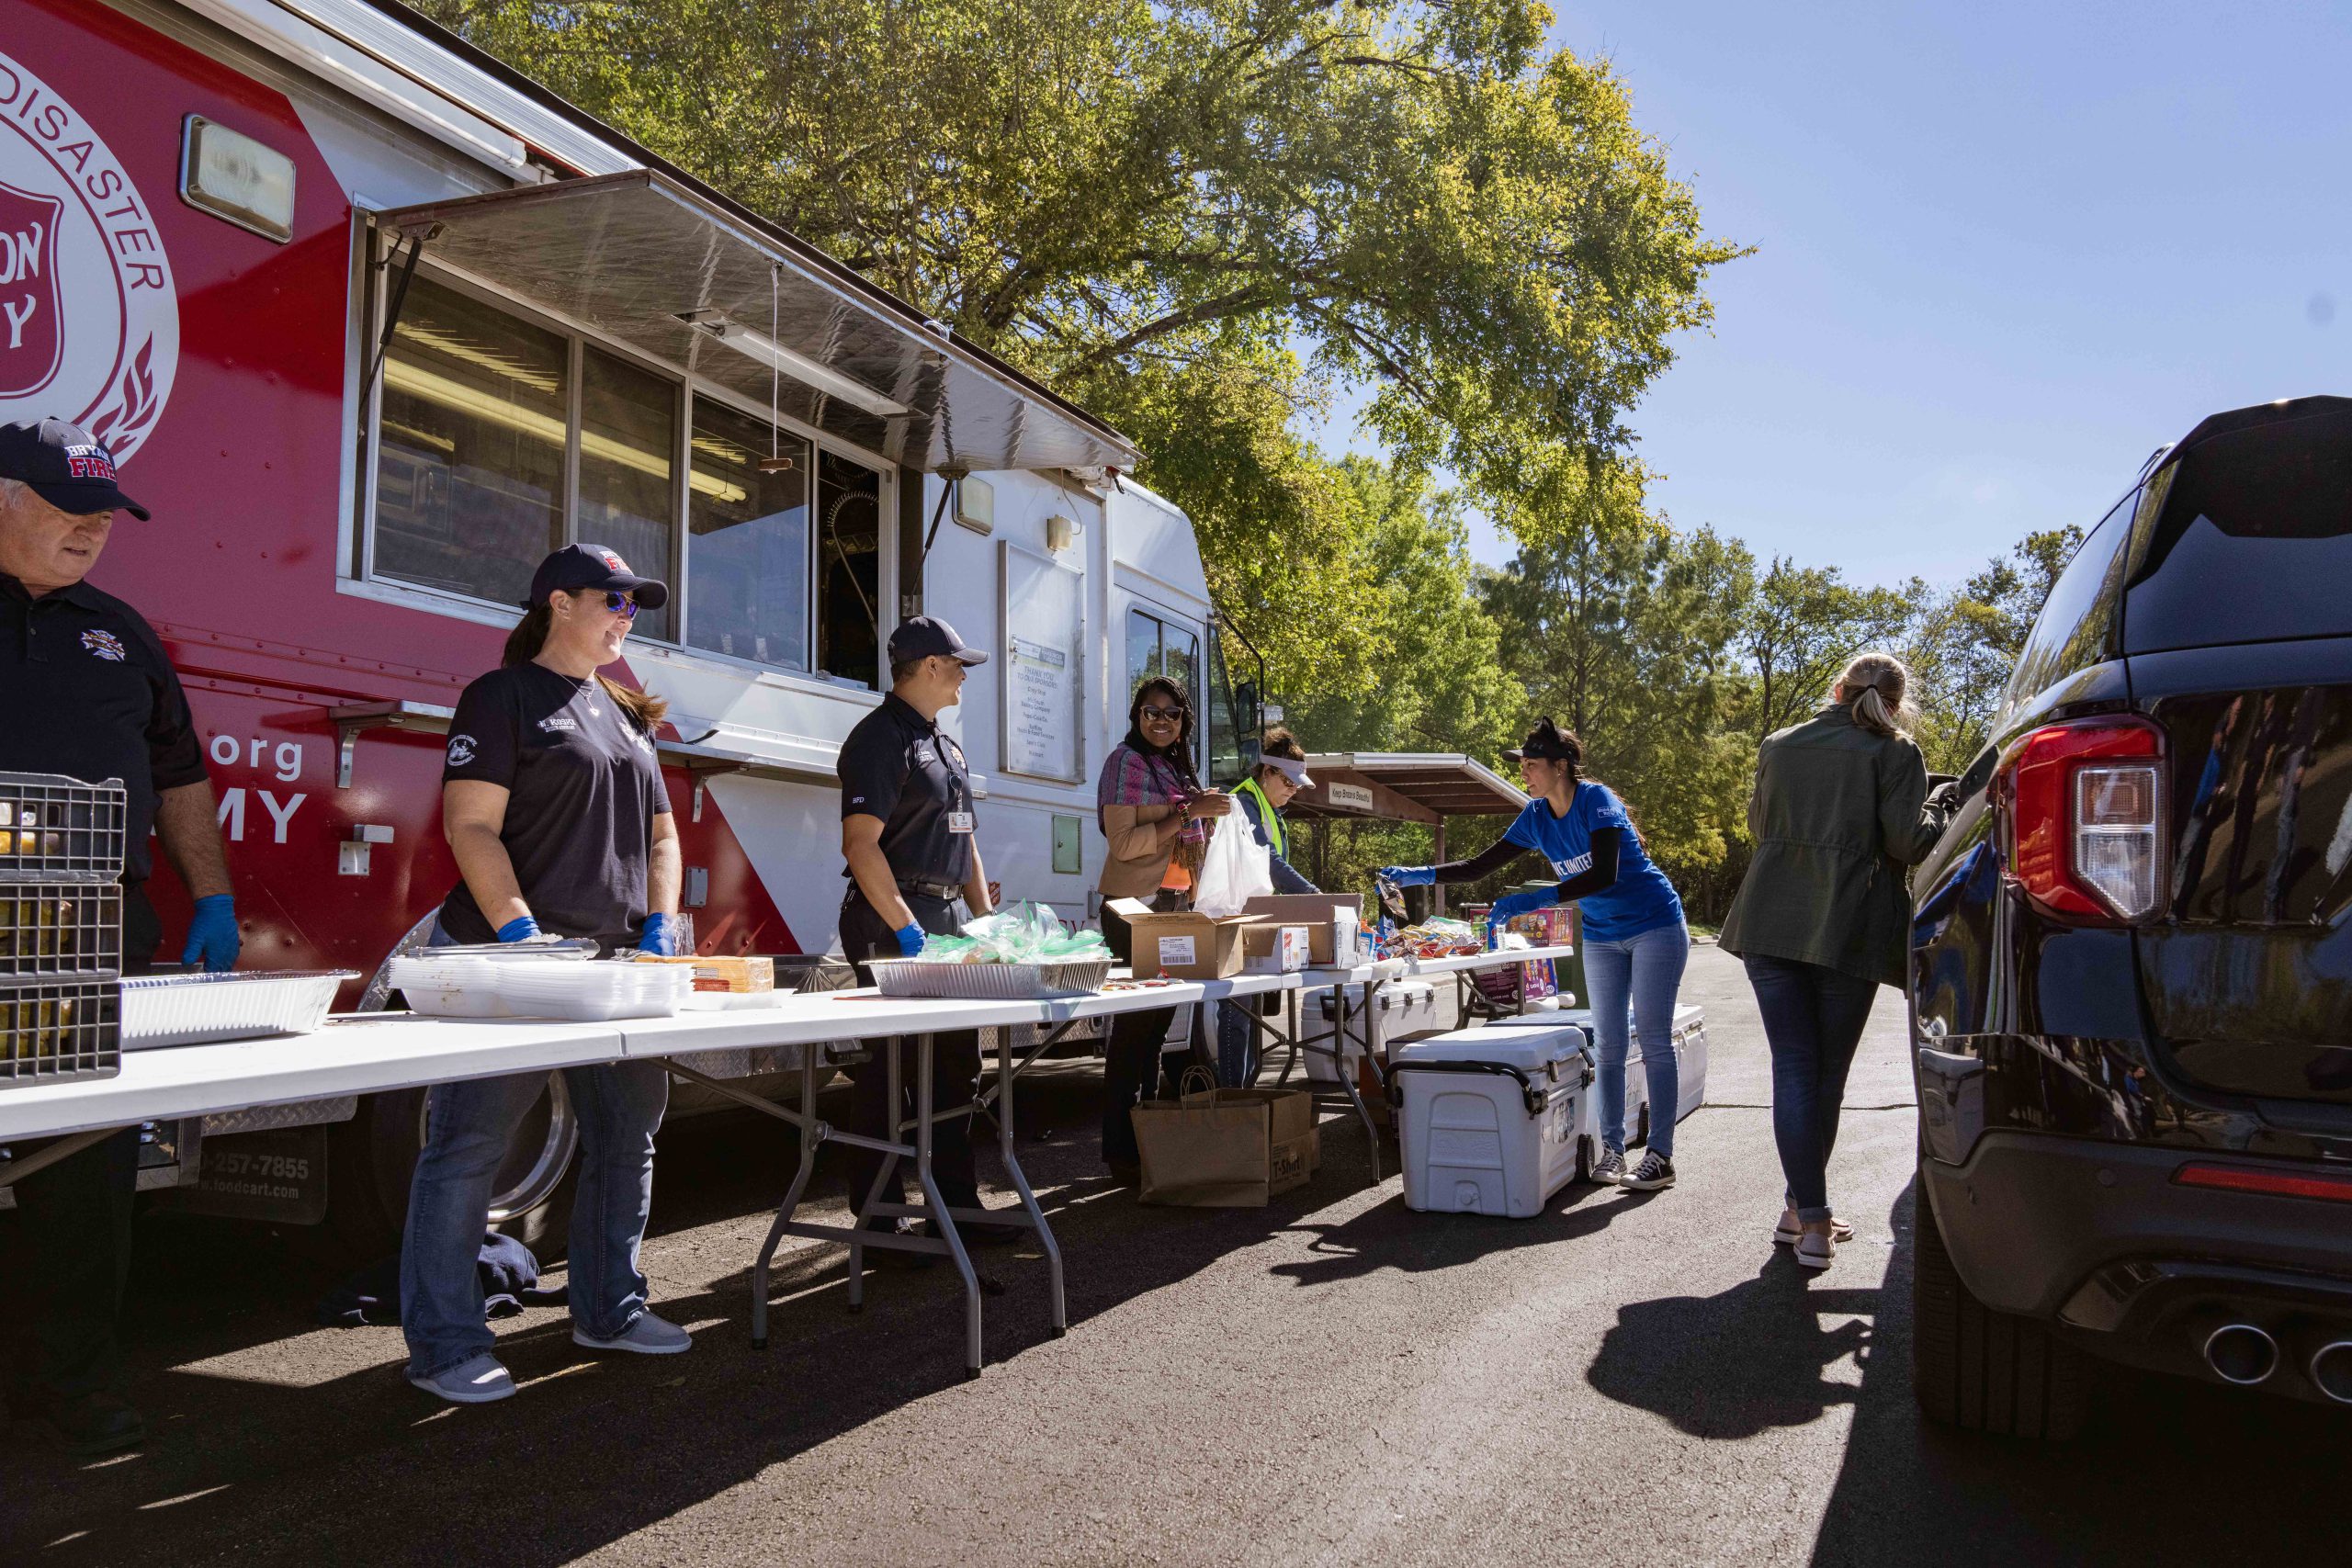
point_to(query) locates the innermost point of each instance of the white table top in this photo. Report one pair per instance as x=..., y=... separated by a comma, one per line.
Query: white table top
x=360, y=1054
x=1406, y=968
x=369, y=1053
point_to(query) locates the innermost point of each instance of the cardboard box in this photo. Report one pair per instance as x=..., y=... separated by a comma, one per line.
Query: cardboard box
x=1183, y=946
x=1271, y=949
x=1312, y=910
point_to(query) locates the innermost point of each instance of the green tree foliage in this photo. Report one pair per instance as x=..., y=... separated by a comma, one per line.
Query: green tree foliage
x=1143, y=202
x=1965, y=641
x=1799, y=631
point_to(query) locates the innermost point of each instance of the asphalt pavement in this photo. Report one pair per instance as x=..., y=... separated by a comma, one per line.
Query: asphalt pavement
x=1635, y=1379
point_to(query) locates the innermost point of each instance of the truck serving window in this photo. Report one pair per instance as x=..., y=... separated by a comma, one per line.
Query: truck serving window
x=2253, y=542
x=747, y=546
x=469, y=463
x=499, y=440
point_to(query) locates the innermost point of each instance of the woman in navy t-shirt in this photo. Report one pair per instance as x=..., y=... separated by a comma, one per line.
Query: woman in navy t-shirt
x=1635, y=944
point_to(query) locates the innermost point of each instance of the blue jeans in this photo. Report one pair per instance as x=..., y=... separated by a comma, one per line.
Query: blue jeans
x=1813, y=1019
x=619, y=1105
x=1636, y=981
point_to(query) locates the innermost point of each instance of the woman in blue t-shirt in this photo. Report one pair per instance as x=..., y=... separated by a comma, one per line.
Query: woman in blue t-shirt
x=1635, y=943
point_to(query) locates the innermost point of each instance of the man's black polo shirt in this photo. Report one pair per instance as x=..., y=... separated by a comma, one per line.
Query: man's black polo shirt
x=85, y=690
x=898, y=766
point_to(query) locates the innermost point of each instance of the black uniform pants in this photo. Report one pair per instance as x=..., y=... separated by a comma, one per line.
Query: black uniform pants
x=64, y=1291
x=1132, y=1057
x=956, y=1064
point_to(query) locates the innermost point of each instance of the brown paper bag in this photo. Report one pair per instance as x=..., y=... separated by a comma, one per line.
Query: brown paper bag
x=1225, y=1148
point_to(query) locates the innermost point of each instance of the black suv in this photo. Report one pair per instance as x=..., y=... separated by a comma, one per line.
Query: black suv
x=2131, y=967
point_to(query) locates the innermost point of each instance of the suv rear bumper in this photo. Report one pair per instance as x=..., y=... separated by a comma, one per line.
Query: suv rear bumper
x=2099, y=1240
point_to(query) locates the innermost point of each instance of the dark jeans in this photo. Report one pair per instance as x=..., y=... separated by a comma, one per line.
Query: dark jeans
x=1132, y=1059
x=74, y=1238
x=1813, y=1019
x=956, y=1064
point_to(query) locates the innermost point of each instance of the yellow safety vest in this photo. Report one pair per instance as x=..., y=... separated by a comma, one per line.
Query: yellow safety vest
x=1266, y=814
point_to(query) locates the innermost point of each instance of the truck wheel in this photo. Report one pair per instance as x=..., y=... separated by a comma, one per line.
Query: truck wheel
x=1984, y=1370
x=374, y=1156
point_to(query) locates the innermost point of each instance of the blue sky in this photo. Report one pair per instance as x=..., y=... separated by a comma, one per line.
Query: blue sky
x=2003, y=251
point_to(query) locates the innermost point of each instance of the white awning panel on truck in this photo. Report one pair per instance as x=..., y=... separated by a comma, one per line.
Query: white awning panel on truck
x=650, y=261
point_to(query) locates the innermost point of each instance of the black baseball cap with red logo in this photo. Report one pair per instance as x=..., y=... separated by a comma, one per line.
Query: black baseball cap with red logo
x=65, y=466
x=576, y=566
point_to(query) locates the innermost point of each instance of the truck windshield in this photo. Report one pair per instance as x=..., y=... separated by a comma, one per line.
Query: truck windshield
x=2253, y=544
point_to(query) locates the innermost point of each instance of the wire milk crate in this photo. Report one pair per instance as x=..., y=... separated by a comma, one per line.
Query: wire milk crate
x=53, y=829
x=52, y=1030
x=60, y=928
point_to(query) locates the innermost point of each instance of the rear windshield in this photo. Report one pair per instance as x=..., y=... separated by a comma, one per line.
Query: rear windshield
x=2253, y=542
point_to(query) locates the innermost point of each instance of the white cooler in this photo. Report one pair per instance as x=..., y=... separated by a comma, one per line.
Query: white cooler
x=1398, y=1008
x=1493, y=1119
x=1690, y=1049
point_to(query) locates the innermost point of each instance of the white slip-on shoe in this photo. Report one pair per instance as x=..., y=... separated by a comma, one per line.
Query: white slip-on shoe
x=1609, y=1169
x=1785, y=1233
x=645, y=1336
x=478, y=1379
x=1816, y=1250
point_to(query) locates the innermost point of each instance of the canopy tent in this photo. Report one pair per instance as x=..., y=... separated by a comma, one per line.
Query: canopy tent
x=1405, y=786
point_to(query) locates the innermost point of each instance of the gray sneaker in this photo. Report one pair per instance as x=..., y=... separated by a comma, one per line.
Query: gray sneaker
x=1609, y=1169
x=1654, y=1171
x=478, y=1379
x=648, y=1335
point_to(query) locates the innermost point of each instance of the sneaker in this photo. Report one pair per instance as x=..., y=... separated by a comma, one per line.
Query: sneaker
x=645, y=1336
x=90, y=1423
x=1654, y=1171
x=1609, y=1169
x=1785, y=1233
x=479, y=1379
x=1816, y=1249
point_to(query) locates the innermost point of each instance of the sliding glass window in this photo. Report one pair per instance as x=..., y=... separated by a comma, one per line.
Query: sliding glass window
x=469, y=461
x=747, y=546
x=629, y=496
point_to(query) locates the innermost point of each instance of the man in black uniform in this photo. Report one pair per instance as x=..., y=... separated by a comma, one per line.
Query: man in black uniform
x=906, y=834
x=85, y=690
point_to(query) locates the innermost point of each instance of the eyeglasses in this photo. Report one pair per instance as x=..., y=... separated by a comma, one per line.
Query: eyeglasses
x=1152, y=710
x=620, y=604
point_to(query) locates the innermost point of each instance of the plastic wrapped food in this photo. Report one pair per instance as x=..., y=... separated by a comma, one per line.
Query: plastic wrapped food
x=1020, y=933
x=1440, y=938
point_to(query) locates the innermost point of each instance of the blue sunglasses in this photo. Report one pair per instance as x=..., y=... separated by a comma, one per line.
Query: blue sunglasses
x=619, y=603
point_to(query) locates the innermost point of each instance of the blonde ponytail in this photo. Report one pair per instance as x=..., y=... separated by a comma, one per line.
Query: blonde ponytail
x=1876, y=687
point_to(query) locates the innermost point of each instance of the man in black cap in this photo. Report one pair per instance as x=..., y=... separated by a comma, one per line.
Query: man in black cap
x=907, y=835
x=85, y=690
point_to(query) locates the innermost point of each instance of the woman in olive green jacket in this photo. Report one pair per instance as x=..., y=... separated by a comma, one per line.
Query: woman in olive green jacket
x=1841, y=808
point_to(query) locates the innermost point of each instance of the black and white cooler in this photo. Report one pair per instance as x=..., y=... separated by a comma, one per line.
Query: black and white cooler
x=1493, y=1121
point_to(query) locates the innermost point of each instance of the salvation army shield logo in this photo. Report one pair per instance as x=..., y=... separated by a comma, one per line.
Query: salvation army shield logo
x=89, y=316
x=31, y=339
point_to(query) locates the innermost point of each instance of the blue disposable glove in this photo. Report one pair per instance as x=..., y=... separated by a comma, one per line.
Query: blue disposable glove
x=660, y=935
x=522, y=927
x=1512, y=905
x=1409, y=875
x=910, y=939
x=213, y=934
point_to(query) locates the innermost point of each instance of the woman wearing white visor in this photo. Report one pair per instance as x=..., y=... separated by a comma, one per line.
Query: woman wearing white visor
x=1279, y=774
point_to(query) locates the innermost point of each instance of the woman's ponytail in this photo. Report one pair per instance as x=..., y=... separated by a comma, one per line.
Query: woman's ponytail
x=1876, y=689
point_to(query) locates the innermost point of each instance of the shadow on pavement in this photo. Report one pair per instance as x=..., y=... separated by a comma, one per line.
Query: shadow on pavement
x=1390, y=1235
x=2170, y=1472
x=1733, y=1365
x=593, y=1449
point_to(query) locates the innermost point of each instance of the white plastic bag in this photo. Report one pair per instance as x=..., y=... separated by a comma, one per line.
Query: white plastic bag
x=1236, y=868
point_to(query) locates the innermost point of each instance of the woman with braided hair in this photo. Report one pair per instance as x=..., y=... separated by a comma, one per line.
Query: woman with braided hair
x=1841, y=808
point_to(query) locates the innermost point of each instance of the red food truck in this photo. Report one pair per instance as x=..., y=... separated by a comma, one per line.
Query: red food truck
x=372, y=322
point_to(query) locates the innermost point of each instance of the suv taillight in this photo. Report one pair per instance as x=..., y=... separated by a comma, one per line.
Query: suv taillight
x=2085, y=805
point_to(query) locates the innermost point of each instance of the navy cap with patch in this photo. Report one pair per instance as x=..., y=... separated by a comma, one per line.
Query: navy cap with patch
x=576, y=566
x=65, y=466
x=924, y=636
